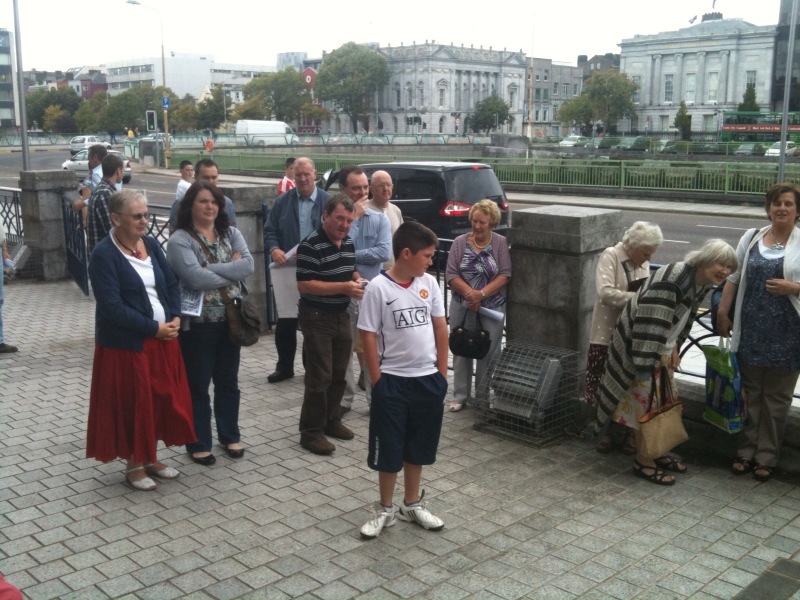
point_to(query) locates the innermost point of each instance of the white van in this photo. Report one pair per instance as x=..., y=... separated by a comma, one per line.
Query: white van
x=266, y=133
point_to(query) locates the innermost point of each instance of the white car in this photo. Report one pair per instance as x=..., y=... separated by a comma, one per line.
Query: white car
x=775, y=149
x=574, y=141
x=79, y=165
x=83, y=142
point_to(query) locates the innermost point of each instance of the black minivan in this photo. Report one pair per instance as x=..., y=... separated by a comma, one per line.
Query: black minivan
x=438, y=194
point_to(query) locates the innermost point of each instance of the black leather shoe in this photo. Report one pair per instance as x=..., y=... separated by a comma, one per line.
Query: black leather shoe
x=279, y=376
x=206, y=461
x=235, y=452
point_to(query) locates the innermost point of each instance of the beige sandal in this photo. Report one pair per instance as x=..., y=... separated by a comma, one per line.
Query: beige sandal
x=145, y=484
x=456, y=406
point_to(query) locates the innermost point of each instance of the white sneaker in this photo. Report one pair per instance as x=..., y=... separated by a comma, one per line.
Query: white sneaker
x=418, y=513
x=372, y=528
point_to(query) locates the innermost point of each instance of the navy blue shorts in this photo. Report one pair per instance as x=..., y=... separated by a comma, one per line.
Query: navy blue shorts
x=405, y=421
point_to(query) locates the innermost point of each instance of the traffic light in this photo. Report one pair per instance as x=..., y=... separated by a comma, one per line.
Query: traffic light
x=151, y=120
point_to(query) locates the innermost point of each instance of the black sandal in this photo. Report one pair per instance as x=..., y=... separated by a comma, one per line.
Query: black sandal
x=671, y=463
x=741, y=465
x=629, y=445
x=605, y=445
x=658, y=476
x=766, y=472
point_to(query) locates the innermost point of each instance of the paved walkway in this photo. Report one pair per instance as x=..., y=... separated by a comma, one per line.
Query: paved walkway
x=521, y=522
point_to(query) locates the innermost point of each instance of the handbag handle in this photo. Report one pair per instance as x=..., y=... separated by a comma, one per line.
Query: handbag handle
x=665, y=387
x=477, y=319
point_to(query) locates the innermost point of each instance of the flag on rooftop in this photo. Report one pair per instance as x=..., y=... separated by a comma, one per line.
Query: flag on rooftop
x=692, y=20
x=713, y=4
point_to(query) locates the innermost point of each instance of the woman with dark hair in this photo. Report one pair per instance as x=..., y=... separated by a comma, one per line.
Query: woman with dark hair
x=207, y=254
x=765, y=332
x=139, y=390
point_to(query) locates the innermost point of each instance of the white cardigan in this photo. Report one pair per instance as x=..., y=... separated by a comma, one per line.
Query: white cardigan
x=791, y=272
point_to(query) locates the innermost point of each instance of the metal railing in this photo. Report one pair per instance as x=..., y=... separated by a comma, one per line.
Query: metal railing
x=11, y=215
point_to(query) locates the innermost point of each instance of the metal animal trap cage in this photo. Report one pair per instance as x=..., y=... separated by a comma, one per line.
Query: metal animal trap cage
x=530, y=392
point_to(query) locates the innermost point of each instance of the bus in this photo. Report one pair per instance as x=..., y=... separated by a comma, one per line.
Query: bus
x=764, y=127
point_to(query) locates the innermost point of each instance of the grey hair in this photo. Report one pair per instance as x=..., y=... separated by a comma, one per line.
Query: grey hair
x=643, y=235
x=714, y=251
x=118, y=201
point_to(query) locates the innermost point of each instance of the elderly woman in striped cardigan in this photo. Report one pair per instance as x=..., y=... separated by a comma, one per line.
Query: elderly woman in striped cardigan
x=649, y=333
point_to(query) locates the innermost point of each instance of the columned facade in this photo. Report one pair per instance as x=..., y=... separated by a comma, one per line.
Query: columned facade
x=708, y=66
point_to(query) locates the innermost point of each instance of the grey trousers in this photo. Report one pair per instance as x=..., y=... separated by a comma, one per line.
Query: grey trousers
x=769, y=397
x=463, y=367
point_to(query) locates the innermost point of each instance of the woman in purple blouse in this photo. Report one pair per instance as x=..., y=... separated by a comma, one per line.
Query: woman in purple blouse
x=478, y=271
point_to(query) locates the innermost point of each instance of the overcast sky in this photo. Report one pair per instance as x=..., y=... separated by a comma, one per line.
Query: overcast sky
x=59, y=34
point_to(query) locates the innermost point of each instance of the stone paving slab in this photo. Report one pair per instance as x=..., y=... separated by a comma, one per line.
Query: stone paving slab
x=521, y=522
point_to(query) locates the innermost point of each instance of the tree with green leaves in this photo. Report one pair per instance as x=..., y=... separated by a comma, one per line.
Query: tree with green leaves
x=577, y=111
x=349, y=78
x=683, y=121
x=184, y=116
x=279, y=95
x=58, y=120
x=610, y=94
x=88, y=116
x=490, y=113
x=37, y=102
x=211, y=111
x=749, y=102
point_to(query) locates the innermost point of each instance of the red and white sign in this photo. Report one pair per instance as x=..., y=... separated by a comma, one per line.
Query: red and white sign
x=310, y=75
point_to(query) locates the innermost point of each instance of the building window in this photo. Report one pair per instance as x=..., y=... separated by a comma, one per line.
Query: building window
x=690, y=87
x=441, y=97
x=708, y=122
x=575, y=88
x=546, y=94
x=536, y=115
x=555, y=89
x=421, y=94
x=409, y=96
x=663, y=122
x=397, y=95
x=537, y=77
x=512, y=97
x=713, y=86
x=544, y=114
x=668, y=87
x=750, y=76
x=546, y=74
x=566, y=89
x=637, y=80
x=537, y=94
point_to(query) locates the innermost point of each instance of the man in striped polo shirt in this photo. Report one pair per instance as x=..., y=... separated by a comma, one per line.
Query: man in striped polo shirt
x=327, y=280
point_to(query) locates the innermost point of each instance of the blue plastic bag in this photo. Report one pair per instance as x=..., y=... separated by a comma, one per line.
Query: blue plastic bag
x=726, y=407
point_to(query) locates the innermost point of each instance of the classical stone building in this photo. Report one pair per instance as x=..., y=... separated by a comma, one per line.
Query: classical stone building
x=708, y=65
x=433, y=88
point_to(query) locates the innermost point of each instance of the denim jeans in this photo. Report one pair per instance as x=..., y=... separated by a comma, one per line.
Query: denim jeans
x=210, y=356
x=327, y=346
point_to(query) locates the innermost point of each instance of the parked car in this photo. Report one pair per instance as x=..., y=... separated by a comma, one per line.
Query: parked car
x=775, y=149
x=573, y=141
x=750, y=149
x=79, y=165
x=438, y=194
x=83, y=142
x=664, y=147
x=634, y=144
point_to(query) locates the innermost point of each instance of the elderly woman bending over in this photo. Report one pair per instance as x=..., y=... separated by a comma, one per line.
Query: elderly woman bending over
x=648, y=336
x=620, y=272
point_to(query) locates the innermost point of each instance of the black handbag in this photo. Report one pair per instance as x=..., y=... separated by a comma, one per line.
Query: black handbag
x=244, y=322
x=470, y=344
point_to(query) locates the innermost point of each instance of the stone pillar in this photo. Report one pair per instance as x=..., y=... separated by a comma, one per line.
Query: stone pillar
x=700, y=79
x=722, y=96
x=677, y=86
x=733, y=67
x=42, y=220
x=247, y=199
x=554, y=250
x=657, y=97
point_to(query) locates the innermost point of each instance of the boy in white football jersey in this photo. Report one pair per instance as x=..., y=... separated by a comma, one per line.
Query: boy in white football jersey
x=404, y=335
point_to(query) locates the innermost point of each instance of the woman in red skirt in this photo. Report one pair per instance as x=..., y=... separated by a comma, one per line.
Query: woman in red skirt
x=139, y=389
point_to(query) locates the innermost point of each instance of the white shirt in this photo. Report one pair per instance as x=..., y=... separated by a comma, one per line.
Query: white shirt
x=183, y=185
x=402, y=319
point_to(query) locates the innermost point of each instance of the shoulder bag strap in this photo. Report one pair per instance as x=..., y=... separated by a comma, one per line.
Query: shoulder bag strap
x=223, y=292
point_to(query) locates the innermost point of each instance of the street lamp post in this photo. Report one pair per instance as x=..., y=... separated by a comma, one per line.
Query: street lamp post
x=167, y=151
